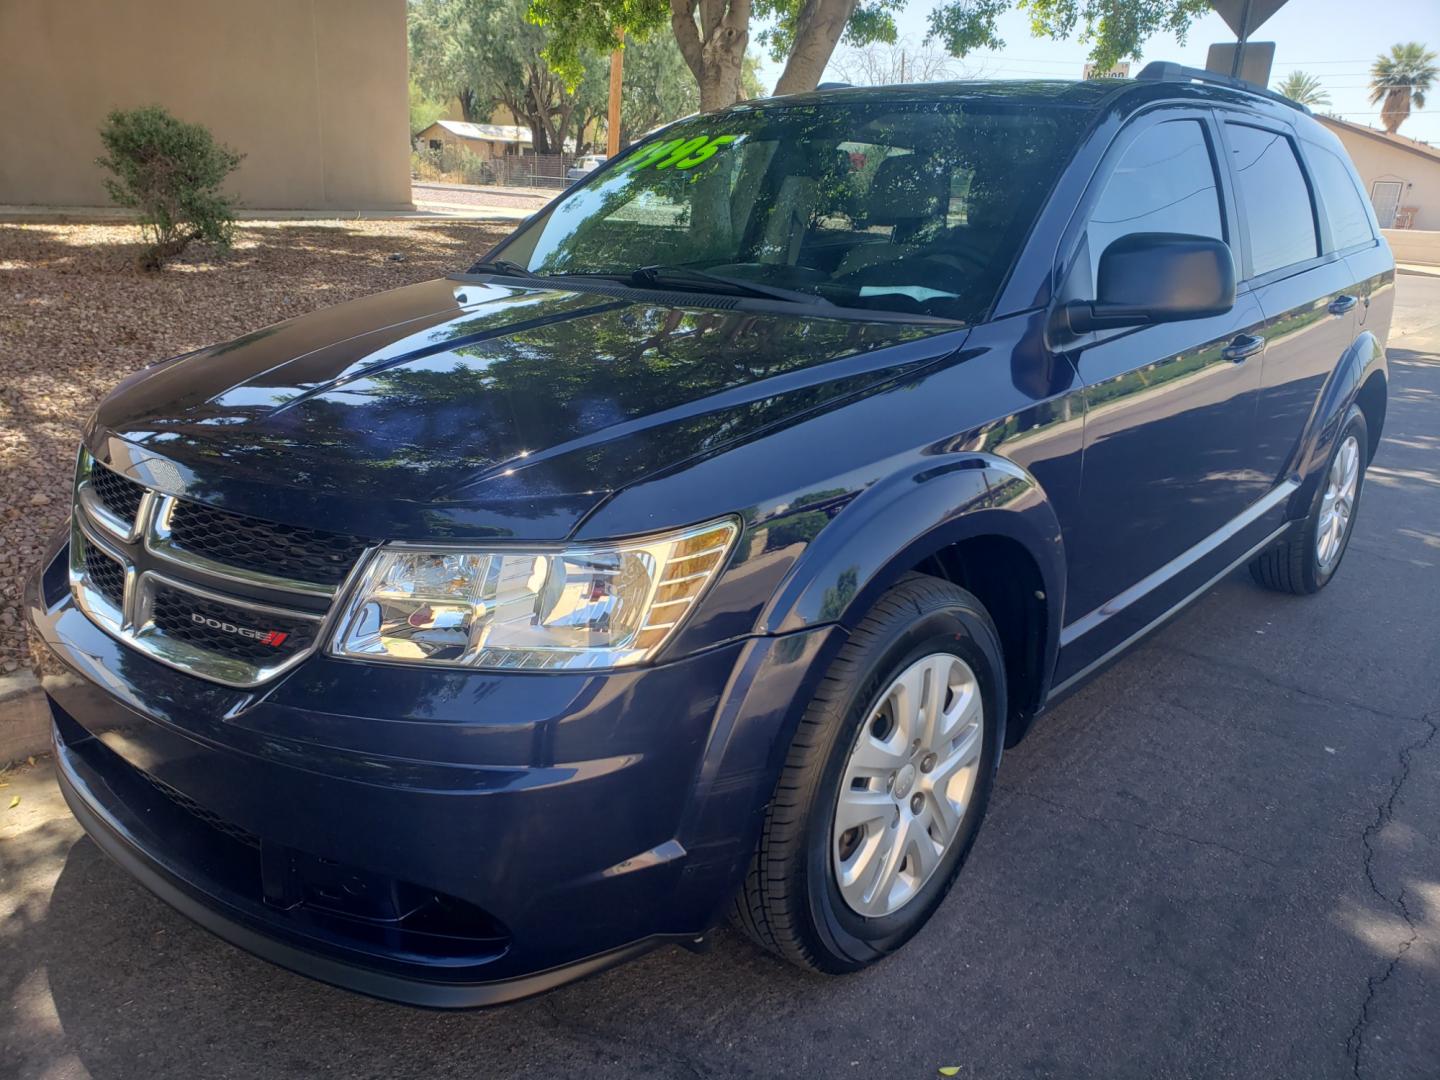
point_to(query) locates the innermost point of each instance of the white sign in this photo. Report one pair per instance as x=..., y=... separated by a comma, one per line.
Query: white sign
x=1119, y=71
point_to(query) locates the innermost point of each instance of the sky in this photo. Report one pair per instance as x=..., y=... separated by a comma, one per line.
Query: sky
x=1334, y=40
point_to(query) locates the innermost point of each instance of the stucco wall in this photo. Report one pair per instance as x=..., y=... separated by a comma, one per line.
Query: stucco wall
x=1419, y=246
x=313, y=92
x=1377, y=159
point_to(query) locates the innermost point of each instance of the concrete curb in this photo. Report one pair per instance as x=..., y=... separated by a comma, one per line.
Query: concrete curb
x=24, y=718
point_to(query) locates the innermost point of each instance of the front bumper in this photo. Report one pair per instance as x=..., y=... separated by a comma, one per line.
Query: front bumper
x=445, y=839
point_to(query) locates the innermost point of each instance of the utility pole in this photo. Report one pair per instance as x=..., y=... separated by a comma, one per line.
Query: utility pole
x=617, y=63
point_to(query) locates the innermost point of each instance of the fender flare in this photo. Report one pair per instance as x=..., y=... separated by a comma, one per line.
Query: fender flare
x=897, y=523
x=1363, y=360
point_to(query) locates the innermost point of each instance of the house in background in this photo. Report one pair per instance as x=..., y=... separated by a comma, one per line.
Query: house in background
x=1401, y=175
x=312, y=92
x=485, y=141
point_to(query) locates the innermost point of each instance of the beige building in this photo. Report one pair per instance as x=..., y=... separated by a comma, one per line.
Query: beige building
x=482, y=140
x=1401, y=175
x=312, y=92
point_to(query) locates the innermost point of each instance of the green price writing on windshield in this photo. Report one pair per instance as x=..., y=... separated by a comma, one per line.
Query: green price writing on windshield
x=681, y=153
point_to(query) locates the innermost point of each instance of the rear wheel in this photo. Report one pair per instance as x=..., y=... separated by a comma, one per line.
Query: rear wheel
x=1305, y=560
x=885, y=784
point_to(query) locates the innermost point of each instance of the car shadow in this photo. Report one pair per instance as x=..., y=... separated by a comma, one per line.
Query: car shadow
x=134, y=983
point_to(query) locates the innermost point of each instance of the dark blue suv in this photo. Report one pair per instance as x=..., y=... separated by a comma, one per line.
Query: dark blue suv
x=700, y=549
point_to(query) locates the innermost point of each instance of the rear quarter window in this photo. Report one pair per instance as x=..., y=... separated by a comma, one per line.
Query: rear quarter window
x=1279, y=218
x=1344, y=206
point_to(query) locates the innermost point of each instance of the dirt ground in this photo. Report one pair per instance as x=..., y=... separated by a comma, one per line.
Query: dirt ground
x=76, y=317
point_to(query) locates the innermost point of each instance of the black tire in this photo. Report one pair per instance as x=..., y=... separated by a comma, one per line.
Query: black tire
x=790, y=903
x=1292, y=565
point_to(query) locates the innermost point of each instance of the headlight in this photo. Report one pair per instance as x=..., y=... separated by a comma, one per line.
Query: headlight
x=596, y=606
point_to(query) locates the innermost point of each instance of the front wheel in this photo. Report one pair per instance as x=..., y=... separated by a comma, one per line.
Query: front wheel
x=1305, y=560
x=885, y=785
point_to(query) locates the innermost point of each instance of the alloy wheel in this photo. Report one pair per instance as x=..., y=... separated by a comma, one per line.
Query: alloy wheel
x=907, y=783
x=1337, y=505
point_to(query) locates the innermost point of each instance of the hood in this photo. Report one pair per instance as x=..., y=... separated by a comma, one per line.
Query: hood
x=464, y=409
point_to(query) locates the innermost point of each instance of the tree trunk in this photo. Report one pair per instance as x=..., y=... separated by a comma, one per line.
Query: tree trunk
x=468, y=107
x=713, y=47
x=817, y=29
x=1396, y=109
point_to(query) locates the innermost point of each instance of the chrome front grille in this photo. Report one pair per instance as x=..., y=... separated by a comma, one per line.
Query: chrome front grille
x=229, y=598
x=107, y=574
x=279, y=551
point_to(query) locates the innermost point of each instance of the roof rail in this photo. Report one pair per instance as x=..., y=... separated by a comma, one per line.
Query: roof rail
x=1164, y=71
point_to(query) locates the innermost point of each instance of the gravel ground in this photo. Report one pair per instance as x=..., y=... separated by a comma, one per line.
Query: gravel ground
x=76, y=317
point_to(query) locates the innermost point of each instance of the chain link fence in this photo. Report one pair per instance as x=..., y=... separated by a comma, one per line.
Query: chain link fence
x=456, y=165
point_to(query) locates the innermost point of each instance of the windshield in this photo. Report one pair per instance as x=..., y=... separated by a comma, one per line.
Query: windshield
x=916, y=207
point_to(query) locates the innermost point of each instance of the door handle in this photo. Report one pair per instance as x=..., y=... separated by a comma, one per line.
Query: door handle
x=1243, y=347
x=1341, y=304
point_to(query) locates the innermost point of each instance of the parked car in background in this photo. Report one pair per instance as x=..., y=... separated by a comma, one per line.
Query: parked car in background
x=700, y=550
x=584, y=166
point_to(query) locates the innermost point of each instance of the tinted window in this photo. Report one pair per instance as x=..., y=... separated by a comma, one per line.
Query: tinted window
x=904, y=206
x=1164, y=182
x=1344, y=205
x=1278, y=217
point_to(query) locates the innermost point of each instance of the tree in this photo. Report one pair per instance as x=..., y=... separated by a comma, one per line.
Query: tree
x=486, y=53
x=885, y=64
x=170, y=173
x=423, y=111
x=1401, y=80
x=802, y=34
x=658, y=87
x=1303, y=88
x=1115, y=28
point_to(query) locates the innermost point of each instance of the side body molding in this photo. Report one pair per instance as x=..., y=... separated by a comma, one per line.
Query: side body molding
x=912, y=514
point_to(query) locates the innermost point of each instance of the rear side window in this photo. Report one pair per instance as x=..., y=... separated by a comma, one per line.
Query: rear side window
x=1278, y=217
x=1344, y=205
x=1164, y=182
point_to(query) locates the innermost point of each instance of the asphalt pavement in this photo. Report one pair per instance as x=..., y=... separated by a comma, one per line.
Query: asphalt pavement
x=1221, y=859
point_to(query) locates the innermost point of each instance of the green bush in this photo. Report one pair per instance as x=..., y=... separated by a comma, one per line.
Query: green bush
x=170, y=172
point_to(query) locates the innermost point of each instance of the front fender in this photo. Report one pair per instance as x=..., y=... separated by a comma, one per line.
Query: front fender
x=896, y=524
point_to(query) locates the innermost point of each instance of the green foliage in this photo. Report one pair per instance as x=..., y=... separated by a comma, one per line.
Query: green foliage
x=872, y=21
x=658, y=87
x=487, y=53
x=1115, y=28
x=1401, y=80
x=1304, y=89
x=424, y=111
x=170, y=172
x=573, y=29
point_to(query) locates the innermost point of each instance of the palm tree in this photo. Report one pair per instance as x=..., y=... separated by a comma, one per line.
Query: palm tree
x=1401, y=79
x=1304, y=89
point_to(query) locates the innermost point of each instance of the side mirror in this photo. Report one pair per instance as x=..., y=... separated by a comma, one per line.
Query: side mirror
x=1148, y=278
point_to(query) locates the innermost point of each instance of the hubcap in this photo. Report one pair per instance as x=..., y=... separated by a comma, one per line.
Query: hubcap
x=907, y=784
x=1337, y=505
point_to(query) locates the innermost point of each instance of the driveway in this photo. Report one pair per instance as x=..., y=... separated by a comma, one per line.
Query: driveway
x=1220, y=859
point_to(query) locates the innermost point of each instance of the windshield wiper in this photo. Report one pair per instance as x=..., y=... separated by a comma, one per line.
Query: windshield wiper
x=682, y=277
x=502, y=267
